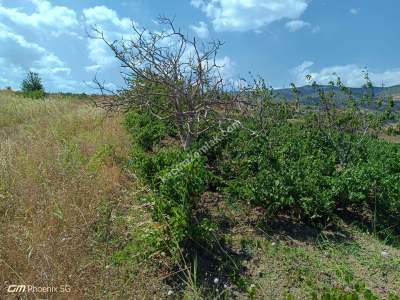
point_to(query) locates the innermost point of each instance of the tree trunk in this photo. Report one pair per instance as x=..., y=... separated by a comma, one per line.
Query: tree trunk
x=188, y=141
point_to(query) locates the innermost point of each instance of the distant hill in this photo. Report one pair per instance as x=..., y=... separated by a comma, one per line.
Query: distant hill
x=309, y=96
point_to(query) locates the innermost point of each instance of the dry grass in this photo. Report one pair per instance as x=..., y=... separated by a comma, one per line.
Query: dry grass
x=300, y=269
x=57, y=163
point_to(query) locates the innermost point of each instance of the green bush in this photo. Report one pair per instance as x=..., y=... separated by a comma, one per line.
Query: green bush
x=176, y=178
x=291, y=176
x=177, y=195
x=291, y=172
x=145, y=129
x=374, y=181
x=39, y=94
x=149, y=166
x=32, y=86
x=313, y=169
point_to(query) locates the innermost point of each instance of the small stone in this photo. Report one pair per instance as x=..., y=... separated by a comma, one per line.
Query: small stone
x=170, y=293
x=384, y=253
x=273, y=244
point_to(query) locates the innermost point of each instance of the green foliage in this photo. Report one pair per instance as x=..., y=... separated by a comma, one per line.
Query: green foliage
x=311, y=166
x=290, y=172
x=32, y=86
x=145, y=129
x=373, y=180
x=39, y=94
x=274, y=178
x=357, y=291
x=341, y=124
x=176, y=178
x=150, y=165
x=177, y=197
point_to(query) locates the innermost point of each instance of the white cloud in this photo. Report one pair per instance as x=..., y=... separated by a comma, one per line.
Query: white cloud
x=355, y=11
x=10, y=74
x=45, y=14
x=17, y=56
x=7, y=34
x=92, y=68
x=102, y=14
x=197, y=3
x=113, y=27
x=300, y=69
x=244, y=15
x=296, y=25
x=227, y=67
x=99, y=53
x=201, y=30
x=351, y=75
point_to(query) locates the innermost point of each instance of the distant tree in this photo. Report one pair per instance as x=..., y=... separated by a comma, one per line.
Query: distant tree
x=32, y=85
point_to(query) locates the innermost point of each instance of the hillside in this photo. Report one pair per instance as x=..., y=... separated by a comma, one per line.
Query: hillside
x=308, y=95
x=72, y=214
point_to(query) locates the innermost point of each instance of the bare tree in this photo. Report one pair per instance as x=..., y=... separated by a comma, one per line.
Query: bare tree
x=170, y=75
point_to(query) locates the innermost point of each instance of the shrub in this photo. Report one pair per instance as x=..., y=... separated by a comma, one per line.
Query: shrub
x=32, y=86
x=341, y=124
x=177, y=197
x=145, y=129
x=374, y=181
x=176, y=178
x=273, y=175
x=312, y=170
x=34, y=94
x=290, y=171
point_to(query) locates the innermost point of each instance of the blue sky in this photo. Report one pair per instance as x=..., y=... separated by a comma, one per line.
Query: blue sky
x=281, y=40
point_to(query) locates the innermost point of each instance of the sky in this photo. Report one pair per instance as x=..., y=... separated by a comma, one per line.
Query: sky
x=280, y=40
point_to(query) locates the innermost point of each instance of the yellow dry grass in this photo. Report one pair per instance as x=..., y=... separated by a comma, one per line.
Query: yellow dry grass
x=57, y=163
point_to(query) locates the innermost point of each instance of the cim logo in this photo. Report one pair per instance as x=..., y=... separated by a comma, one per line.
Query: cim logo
x=13, y=288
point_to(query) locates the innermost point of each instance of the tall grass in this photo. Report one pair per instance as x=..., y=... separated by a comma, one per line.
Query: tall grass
x=57, y=163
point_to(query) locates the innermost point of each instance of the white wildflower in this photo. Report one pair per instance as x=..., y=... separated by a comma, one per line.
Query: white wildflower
x=384, y=253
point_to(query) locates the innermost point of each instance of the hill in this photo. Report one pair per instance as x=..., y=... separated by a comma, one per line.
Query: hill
x=308, y=95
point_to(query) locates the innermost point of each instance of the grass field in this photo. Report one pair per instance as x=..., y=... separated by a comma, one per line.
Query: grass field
x=70, y=214
x=58, y=163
